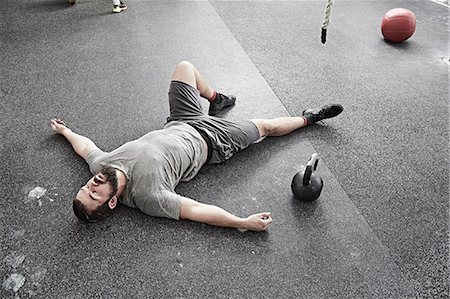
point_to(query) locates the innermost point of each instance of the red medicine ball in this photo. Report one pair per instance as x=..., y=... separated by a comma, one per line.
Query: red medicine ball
x=398, y=25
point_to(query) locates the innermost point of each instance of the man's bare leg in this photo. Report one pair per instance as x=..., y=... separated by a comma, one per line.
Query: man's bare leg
x=279, y=126
x=284, y=125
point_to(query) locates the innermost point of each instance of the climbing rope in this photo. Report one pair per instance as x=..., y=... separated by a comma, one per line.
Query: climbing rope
x=326, y=21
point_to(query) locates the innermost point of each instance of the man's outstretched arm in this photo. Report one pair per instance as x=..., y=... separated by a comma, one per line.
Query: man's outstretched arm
x=213, y=215
x=81, y=144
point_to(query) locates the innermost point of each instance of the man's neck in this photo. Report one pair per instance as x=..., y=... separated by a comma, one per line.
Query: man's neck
x=121, y=182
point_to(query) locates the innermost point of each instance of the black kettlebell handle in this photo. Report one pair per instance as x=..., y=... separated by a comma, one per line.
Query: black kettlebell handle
x=310, y=167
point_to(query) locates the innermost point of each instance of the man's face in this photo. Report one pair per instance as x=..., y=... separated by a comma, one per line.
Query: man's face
x=99, y=189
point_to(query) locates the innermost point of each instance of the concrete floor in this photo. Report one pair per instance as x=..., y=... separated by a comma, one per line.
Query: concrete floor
x=380, y=227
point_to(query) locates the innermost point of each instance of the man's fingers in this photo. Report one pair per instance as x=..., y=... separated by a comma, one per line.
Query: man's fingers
x=265, y=215
x=57, y=125
x=259, y=222
x=57, y=121
x=266, y=219
x=268, y=222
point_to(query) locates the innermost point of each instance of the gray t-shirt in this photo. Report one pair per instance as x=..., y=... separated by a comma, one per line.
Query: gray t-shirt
x=153, y=165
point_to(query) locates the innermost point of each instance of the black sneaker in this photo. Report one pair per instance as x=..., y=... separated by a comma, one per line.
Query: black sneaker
x=327, y=111
x=220, y=103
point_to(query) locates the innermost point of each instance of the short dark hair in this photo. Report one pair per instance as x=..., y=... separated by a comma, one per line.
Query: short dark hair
x=87, y=216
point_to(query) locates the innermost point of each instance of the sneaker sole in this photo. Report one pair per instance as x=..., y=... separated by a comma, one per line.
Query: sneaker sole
x=330, y=111
x=119, y=10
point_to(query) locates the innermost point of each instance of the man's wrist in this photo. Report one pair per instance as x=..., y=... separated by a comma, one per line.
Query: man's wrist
x=242, y=223
x=66, y=130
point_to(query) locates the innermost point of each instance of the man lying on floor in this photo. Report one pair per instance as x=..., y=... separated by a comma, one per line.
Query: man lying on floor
x=143, y=173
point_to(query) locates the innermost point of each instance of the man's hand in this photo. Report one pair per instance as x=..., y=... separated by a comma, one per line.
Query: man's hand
x=58, y=125
x=258, y=222
x=82, y=145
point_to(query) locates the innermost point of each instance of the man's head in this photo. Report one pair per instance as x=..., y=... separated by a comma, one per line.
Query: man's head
x=96, y=200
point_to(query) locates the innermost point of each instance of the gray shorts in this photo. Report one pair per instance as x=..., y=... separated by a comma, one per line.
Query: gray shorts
x=224, y=137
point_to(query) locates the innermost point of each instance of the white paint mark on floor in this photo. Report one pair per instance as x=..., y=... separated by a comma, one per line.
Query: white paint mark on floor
x=14, y=259
x=36, y=193
x=14, y=282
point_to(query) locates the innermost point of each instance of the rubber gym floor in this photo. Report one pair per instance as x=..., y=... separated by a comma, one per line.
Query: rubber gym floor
x=380, y=227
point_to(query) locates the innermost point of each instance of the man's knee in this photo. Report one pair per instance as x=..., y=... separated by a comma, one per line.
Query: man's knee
x=184, y=66
x=184, y=72
x=264, y=126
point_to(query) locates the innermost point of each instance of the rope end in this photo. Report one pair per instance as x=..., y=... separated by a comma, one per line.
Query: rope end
x=324, y=35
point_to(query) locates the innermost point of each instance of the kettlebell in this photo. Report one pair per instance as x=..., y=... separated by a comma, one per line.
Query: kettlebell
x=306, y=185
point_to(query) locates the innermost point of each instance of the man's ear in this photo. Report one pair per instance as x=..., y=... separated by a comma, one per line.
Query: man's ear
x=112, y=203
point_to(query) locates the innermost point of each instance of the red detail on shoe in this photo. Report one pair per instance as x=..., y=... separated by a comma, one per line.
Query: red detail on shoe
x=306, y=121
x=213, y=97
